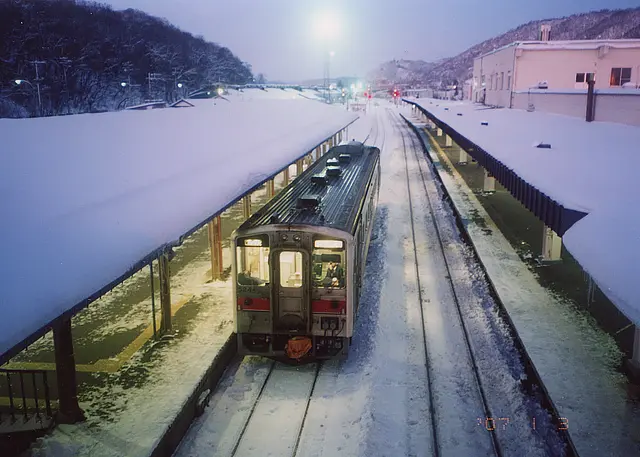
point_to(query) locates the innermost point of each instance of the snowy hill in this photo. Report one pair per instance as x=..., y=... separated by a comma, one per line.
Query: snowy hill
x=405, y=71
x=605, y=24
x=92, y=58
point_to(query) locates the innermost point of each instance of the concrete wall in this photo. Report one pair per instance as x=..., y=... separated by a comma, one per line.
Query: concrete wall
x=559, y=67
x=609, y=107
x=497, y=69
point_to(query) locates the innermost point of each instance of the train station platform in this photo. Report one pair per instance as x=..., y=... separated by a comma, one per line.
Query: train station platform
x=576, y=361
x=134, y=386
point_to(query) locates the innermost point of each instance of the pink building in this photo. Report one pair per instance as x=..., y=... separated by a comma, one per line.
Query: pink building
x=552, y=76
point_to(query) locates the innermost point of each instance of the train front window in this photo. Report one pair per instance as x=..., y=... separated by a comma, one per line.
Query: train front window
x=329, y=268
x=253, y=262
x=291, y=269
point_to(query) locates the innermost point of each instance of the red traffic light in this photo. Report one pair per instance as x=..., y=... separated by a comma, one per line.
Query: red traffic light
x=366, y=94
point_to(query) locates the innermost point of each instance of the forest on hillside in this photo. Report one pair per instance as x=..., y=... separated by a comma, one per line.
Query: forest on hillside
x=64, y=57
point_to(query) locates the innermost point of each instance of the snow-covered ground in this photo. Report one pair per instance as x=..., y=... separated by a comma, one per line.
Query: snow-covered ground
x=575, y=360
x=591, y=167
x=86, y=197
x=377, y=402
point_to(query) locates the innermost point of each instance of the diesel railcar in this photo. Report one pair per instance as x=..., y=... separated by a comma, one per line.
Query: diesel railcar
x=299, y=261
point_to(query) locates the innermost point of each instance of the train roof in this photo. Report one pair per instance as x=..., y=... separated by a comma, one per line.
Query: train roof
x=329, y=193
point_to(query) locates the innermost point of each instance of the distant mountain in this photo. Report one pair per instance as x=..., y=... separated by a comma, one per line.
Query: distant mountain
x=605, y=24
x=405, y=71
x=89, y=58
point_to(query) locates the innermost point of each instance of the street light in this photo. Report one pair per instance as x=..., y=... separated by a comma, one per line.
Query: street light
x=123, y=84
x=331, y=54
x=20, y=81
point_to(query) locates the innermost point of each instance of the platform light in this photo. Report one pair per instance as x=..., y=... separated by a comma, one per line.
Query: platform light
x=328, y=244
x=253, y=242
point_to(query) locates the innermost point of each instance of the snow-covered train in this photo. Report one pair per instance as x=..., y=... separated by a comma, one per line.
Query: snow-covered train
x=300, y=259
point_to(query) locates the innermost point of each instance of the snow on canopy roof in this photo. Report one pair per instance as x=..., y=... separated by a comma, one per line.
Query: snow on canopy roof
x=591, y=167
x=86, y=197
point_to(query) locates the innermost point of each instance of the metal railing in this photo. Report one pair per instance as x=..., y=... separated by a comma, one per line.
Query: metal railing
x=26, y=396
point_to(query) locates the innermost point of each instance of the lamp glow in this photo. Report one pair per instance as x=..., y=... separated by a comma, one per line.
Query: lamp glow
x=326, y=26
x=328, y=244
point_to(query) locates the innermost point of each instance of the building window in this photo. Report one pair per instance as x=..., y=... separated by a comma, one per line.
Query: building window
x=620, y=76
x=584, y=77
x=509, y=80
x=502, y=81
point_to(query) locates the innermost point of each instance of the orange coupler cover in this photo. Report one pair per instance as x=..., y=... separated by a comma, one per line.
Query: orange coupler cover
x=297, y=347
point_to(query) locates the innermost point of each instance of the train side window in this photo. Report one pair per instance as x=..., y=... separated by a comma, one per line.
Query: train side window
x=291, y=273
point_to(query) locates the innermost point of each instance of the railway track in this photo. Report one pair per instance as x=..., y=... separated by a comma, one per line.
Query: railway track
x=511, y=429
x=278, y=425
x=417, y=221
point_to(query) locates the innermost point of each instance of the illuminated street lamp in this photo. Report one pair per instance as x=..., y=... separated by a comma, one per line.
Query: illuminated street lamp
x=220, y=91
x=326, y=26
x=331, y=54
x=20, y=81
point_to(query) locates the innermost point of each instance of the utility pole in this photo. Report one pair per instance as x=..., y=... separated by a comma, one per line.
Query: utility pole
x=38, y=79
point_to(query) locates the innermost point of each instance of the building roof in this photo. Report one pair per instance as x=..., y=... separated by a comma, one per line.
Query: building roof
x=182, y=103
x=340, y=199
x=89, y=199
x=557, y=45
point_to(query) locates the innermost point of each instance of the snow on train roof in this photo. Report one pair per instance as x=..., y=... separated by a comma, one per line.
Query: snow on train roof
x=591, y=167
x=85, y=197
x=341, y=196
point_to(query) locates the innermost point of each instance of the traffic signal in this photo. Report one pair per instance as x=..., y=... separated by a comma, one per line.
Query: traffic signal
x=395, y=92
x=366, y=95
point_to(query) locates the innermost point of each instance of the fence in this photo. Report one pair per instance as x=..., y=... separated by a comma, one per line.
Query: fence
x=28, y=403
x=611, y=105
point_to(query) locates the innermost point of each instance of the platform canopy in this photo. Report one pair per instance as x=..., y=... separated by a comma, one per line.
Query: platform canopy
x=584, y=186
x=87, y=198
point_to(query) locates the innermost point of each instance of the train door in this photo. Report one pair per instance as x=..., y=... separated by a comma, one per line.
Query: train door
x=291, y=290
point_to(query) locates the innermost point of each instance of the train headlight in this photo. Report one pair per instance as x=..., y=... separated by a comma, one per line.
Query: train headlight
x=297, y=237
x=284, y=237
